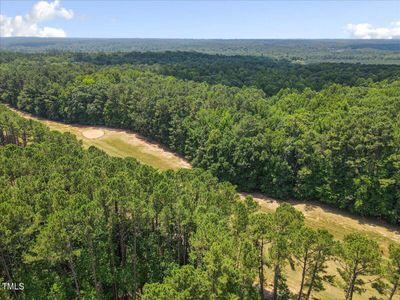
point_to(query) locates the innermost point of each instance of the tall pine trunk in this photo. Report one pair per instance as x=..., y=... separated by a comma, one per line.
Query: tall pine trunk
x=75, y=277
x=313, y=276
x=98, y=285
x=261, y=270
x=111, y=250
x=276, y=282
x=8, y=274
x=393, y=291
x=303, y=275
x=135, y=262
x=350, y=289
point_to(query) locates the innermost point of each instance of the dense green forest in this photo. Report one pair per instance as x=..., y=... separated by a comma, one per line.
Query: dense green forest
x=339, y=145
x=78, y=224
x=303, y=51
x=267, y=74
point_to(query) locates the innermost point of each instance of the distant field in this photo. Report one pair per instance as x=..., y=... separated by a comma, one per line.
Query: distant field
x=123, y=143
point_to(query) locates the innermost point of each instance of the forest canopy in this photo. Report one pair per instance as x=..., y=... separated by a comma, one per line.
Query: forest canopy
x=307, y=51
x=270, y=75
x=79, y=224
x=338, y=144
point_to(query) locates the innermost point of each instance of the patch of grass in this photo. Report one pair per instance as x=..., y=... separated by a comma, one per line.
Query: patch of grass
x=120, y=143
x=115, y=145
x=338, y=223
x=331, y=292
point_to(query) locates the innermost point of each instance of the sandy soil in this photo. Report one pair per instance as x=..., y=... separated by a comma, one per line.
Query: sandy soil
x=149, y=147
x=329, y=217
x=93, y=133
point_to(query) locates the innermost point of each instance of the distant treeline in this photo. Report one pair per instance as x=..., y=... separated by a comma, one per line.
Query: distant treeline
x=268, y=74
x=339, y=146
x=307, y=51
x=79, y=224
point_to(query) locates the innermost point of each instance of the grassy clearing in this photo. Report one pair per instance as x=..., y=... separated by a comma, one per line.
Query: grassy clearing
x=338, y=223
x=119, y=143
x=124, y=143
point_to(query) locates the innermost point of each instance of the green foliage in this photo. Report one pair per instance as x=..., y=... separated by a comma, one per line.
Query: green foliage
x=186, y=282
x=264, y=73
x=313, y=249
x=338, y=145
x=299, y=51
x=360, y=256
x=78, y=224
x=393, y=270
x=286, y=221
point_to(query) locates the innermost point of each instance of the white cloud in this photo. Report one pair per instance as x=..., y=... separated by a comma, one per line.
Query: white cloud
x=28, y=25
x=52, y=32
x=367, y=31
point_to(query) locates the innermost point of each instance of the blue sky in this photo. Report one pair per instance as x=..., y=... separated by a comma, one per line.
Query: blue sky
x=202, y=19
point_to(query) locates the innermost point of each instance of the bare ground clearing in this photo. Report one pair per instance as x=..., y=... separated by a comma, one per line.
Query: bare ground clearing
x=93, y=133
